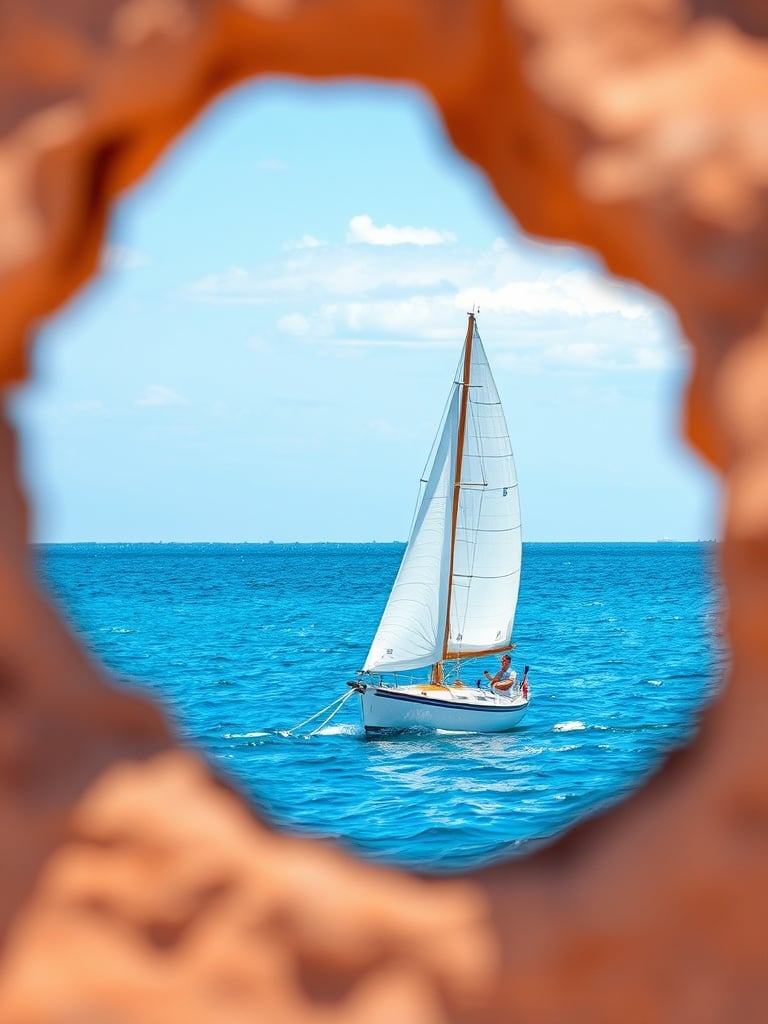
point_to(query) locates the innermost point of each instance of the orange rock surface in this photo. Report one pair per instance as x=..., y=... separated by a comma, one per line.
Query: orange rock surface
x=636, y=127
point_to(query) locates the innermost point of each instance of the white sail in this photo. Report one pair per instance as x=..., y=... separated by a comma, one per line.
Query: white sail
x=412, y=628
x=456, y=590
x=488, y=539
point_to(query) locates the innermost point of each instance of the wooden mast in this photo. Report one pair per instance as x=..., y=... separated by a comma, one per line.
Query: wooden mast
x=437, y=670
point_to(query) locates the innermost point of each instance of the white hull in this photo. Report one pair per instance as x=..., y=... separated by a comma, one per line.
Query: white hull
x=452, y=708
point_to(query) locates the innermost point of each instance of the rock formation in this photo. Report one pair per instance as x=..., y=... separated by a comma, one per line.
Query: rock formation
x=636, y=127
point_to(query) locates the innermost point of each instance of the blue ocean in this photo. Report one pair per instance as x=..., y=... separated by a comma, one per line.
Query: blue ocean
x=244, y=643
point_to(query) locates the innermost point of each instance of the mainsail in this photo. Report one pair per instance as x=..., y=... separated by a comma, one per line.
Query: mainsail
x=456, y=591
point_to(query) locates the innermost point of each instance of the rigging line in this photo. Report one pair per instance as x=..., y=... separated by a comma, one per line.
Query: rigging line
x=478, y=576
x=339, y=701
x=491, y=529
x=501, y=455
x=335, y=712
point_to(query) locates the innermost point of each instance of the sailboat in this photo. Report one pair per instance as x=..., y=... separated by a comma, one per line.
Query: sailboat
x=454, y=598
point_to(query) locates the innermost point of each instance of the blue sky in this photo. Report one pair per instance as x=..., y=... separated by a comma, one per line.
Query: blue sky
x=268, y=350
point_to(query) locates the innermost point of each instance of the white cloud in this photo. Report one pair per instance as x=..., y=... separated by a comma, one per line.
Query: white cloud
x=578, y=293
x=587, y=346
x=293, y=323
x=542, y=308
x=416, y=321
x=362, y=229
x=158, y=394
x=305, y=242
x=235, y=284
x=337, y=271
x=417, y=317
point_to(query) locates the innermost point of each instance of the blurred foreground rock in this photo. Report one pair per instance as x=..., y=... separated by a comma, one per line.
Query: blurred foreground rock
x=135, y=886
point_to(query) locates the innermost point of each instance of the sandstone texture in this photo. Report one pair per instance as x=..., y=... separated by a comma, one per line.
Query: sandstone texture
x=636, y=127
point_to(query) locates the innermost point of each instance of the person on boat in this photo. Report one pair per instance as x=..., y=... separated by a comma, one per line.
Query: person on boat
x=505, y=678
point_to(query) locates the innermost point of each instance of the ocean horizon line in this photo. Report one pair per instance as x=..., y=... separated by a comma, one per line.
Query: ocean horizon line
x=327, y=543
